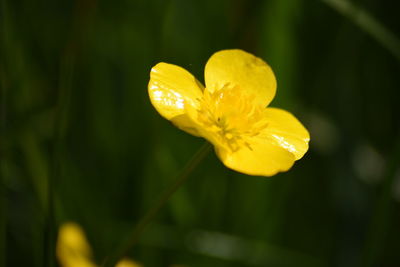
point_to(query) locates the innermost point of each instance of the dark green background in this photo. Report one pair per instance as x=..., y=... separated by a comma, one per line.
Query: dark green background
x=80, y=140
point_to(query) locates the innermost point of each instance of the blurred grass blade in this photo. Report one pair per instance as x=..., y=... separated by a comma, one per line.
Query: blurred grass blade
x=380, y=224
x=153, y=211
x=83, y=15
x=369, y=24
x=3, y=216
x=3, y=117
x=3, y=172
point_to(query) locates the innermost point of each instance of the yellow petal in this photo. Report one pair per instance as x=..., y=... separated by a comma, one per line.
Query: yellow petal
x=187, y=123
x=73, y=250
x=286, y=131
x=171, y=89
x=261, y=158
x=239, y=68
x=127, y=263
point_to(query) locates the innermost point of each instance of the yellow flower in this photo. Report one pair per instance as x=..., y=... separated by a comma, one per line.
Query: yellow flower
x=73, y=249
x=231, y=111
x=127, y=263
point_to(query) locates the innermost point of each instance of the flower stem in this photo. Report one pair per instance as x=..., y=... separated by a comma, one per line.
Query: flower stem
x=152, y=212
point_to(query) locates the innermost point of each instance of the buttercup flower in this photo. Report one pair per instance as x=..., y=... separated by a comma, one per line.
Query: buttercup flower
x=231, y=111
x=73, y=250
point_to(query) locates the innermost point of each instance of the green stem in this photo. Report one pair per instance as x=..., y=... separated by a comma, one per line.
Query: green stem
x=367, y=23
x=152, y=212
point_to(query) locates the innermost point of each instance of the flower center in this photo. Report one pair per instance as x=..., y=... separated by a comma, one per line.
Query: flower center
x=231, y=116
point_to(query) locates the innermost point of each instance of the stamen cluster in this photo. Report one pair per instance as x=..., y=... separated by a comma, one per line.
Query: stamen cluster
x=231, y=116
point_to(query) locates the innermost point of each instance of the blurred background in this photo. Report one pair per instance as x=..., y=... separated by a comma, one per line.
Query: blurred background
x=81, y=142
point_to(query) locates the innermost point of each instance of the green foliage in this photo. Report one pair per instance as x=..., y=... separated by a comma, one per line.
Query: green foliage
x=80, y=141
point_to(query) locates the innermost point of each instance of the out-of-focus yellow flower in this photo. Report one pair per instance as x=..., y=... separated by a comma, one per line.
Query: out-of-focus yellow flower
x=127, y=263
x=230, y=111
x=73, y=249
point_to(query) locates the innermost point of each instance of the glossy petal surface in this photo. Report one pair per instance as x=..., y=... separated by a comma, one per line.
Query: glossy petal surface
x=284, y=130
x=231, y=112
x=239, y=68
x=171, y=89
x=261, y=158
